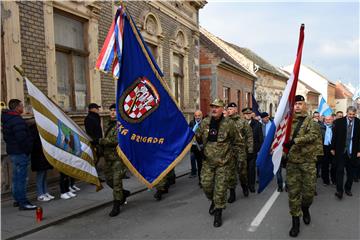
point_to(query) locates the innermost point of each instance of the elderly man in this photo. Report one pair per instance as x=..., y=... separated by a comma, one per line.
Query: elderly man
x=221, y=139
x=196, y=148
x=328, y=159
x=345, y=146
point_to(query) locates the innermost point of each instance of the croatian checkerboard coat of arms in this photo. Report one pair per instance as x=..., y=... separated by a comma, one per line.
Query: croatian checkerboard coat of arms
x=138, y=101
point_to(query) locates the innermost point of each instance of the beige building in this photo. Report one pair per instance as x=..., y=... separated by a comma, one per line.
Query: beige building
x=270, y=82
x=57, y=44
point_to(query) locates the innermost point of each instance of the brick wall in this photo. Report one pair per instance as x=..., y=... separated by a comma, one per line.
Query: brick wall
x=107, y=82
x=33, y=43
x=169, y=28
x=236, y=82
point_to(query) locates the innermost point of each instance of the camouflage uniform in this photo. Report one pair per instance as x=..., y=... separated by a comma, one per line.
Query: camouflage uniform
x=114, y=167
x=301, y=165
x=168, y=180
x=246, y=137
x=218, y=158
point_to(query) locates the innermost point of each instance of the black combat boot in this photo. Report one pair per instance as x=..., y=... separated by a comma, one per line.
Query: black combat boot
x=306, y=215
x=245, y=190
x=212, y=208
x=158, y=195
x=295, y=229
x=126, y=194
x=232, y=197
x=116, y=208
x=217, y=217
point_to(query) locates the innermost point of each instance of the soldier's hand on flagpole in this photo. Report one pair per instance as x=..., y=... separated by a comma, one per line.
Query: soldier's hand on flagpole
x=333, y=152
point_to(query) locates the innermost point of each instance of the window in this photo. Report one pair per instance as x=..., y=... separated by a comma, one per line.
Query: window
x=71, y=62
x=226, y=95
x=248, y=99
x=239, y=100
x=178, y=77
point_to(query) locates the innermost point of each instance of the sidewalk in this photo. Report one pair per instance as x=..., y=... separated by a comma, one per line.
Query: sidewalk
x=17, y=223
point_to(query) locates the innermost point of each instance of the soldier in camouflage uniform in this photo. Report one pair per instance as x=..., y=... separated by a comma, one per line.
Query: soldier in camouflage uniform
x=220, y=138
x=239, y=168
x=301, y=165
x=163, y=186
x=114, y=166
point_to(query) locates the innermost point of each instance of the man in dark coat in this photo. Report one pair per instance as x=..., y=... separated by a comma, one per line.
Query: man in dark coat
x=258, y=140
x=345, y=146
x=18, y=145
x=93, y=128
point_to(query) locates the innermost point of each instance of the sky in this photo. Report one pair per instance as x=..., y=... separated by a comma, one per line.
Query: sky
x=271, y=29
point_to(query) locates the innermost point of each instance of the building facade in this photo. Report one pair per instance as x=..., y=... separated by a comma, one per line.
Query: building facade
x=221, y=76
x=270, y=82
x=344, y=97
x=57, y=44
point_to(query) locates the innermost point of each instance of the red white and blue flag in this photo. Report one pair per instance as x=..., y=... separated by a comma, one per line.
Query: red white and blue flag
x=269, y=157
x=111, y=51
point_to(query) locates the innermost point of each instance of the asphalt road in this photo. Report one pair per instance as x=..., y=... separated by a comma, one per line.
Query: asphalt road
x=183, y=214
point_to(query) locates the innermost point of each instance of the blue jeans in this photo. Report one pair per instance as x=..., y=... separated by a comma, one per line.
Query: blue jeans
x=20, y=164
x=41, y=184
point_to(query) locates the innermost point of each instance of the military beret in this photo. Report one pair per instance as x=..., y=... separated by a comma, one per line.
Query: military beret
x=112, y=106
x=264, y=114
x=217, y=102
x=247, y=110
x=232, y=104
x=299, y=98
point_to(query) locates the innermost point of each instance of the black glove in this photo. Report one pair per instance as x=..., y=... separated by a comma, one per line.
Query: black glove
x=289, y=144
x=250, y=156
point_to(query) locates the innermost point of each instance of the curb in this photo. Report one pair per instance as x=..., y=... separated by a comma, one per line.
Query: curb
x=79, y=213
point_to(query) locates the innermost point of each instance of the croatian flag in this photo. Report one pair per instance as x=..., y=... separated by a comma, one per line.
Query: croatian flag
x=269, y=157
x=111, y=51
x=323, y=108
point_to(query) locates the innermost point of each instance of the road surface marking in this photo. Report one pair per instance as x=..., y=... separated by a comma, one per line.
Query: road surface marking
x=261, y=215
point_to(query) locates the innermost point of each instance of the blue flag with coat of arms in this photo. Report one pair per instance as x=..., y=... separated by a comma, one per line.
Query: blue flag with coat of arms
x=153, y=135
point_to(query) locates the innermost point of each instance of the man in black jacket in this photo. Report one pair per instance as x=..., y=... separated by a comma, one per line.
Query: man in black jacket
x=258, y=140
x=18, y=145
x=345, y=146
x=93, y=128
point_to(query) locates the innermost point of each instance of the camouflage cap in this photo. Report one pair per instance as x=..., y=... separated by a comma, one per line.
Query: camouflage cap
x=247, y=110
x=218, y=102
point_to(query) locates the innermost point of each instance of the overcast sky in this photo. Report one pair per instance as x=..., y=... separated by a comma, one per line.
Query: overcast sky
x=271, y=29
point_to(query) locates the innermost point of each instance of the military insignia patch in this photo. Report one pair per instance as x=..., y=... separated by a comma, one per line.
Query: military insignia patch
x=138, y=101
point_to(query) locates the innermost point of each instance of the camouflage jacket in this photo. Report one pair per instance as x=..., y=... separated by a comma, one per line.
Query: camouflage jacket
x=228, y=142
x=110, y=141
x=245, y=131
x=307, y=142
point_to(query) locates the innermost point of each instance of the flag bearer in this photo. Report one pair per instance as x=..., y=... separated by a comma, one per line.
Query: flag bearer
x=301, y=166
x=114, y=167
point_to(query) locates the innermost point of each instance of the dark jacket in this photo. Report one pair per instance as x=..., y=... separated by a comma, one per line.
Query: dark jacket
x=38, y=159
x=15, y=133
x=338, y=141
x=93, y=126
x=257, y=135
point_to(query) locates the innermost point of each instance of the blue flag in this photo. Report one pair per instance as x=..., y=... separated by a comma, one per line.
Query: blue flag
x=324, y=108
x=153, y=133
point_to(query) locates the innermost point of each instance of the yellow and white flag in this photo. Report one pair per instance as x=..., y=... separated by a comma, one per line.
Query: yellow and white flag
x=66, y=146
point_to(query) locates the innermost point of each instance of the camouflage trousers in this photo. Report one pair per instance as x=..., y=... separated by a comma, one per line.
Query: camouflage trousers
x=165, y=182
x=236, y=169
x=214, y=181
x=301, y=181
x=114, y=174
